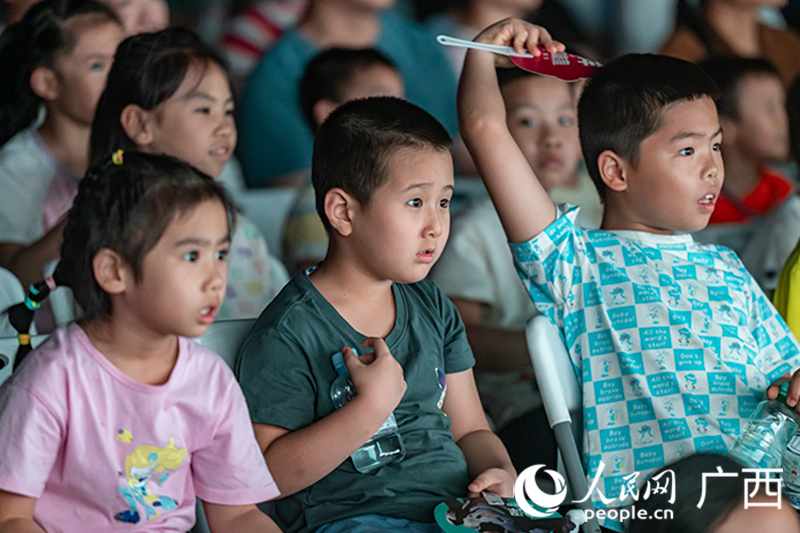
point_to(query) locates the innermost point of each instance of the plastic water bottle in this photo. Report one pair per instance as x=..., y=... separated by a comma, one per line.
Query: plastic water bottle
x=791, y=471
x=764, y=441
x=386, y=445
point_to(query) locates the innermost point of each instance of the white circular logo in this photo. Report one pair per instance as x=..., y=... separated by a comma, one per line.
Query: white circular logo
x=526, y=486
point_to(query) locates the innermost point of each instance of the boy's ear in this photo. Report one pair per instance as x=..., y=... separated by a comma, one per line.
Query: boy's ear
x=322, y=109
x=111, y=272
x=339, y=210
x=44, y=83
x=613, y=170
x=135, y=121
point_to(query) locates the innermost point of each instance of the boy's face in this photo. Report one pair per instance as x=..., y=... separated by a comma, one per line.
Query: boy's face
x=679, y=174
x=184, y=276
x=763, y=125
x=403, y=230
x=542, y=119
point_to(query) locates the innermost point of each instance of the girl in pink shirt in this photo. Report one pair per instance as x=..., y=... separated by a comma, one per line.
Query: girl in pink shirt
x=117, y=422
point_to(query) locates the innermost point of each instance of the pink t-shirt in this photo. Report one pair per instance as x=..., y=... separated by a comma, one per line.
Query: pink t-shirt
x=103, y=452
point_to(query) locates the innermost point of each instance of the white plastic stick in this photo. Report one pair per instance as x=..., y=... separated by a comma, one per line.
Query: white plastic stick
x=502, y=50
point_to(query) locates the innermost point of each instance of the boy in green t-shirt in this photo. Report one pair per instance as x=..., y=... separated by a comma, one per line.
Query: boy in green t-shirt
x=383, y=179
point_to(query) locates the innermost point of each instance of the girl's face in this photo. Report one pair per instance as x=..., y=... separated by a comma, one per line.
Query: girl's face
x=196, y=123
x=80, y=74
x=184, y=276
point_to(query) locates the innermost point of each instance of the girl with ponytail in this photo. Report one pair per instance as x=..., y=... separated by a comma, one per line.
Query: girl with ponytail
x=54, y=64
x=119, y=418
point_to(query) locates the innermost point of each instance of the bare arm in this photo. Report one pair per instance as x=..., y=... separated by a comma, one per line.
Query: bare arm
x=238, y=518
x=16, y=513
x=27, y=262
x=295, y=458
x=495, y=349
x=524, y=206
x=488, y=464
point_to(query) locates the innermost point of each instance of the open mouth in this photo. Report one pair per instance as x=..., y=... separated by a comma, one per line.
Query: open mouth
x=222, y=152
x=208, y=313
x=426, y=255
x=708, y=199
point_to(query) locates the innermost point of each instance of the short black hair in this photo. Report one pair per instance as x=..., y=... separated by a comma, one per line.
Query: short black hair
x=728, y=71
x=329, y=73
x=623, y=103
x=510, y=75
x=354, y=143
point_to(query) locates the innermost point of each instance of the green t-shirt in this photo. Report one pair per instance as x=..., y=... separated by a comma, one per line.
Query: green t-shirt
x=286, y=373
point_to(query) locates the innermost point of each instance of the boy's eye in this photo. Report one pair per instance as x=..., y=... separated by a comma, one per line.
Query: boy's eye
x=190, y=256
x=416, y=202
x=717, y=147
x=203, y=110
x=222, y=254
x=229, y=112
x=687, y=151
x=444, y=203
x=565, y=121
x=528, y=122
x=97, y=66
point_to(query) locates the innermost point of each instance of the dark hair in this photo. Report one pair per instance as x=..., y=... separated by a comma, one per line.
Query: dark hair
x=329, y=73
x=148, y=68
x=126, y=207
x=354, y=143
x=623, y=103
x=727, y=72
x=793, y=111
x=33, y=42
x=722, y=496
x=510, y=75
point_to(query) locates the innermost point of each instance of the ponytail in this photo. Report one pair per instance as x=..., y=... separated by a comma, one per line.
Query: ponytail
x=21, y=315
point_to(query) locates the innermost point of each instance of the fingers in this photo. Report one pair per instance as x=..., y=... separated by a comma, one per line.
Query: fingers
x=378, y=345
x=772, y=390
x=524, y=37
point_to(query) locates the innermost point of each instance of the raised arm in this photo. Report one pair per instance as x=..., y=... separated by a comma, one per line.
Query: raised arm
x=524, y=206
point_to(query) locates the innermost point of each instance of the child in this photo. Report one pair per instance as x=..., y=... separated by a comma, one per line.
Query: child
x=383, y=178
x=675, y=342
x=169, y=93
x=120, y=419
x=477, y=270
x=276, y=144
x=332, y=78
x=140, y=16
x=55, y=59
x=705, y=502
x=756, y=197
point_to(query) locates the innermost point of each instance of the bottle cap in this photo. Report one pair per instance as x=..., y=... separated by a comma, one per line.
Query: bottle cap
x=338, y=363
x=783, y=393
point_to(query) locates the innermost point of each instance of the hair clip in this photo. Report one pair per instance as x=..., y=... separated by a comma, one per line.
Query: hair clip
x=116, y=158
x=24, y=339
x=31, y=304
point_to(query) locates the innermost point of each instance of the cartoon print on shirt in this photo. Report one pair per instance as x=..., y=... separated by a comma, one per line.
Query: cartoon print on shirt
x=669, y=406
x=613, y=416
x=140, y=465
x=724, y=407
x=652, y=314
x=702, y=425
x=442, y=385
x=618, y=296
x=684, y=335
x=636, y=387
x=690, y=382
x=674, y=296
x=625, y=341
x=645, y=434
x=712, y=276
x=660, y=358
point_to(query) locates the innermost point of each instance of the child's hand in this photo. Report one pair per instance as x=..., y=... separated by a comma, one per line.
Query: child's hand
x=377, y=375
x=495, y=480
x=520, y=35
x=793, y=395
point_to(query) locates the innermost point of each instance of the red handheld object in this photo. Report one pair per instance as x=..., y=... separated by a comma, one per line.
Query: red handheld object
x=561, y=65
